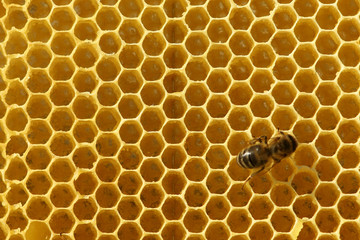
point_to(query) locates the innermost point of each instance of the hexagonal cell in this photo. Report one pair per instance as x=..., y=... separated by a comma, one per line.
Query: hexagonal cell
x=86, y=30
x=38, y=56
x=15, y=17
x=61, y=68
x=349, y=207
x=349, y=80
x=16, y=43
x=62, y=170
x=130, y=157
x=218, y=56
x=348, y=29
x=217, y=208
x=306, y=30
x=239, y=221
x=306, y=80
x=36, y=229
x=151, y=144
x=261, y=106
x=284, y=17
x=173, y=182
x=241, y=18
x=282, y=195
x=151, y=220
x=327, y=194
x=17, y=144
x=153, y=18
x=61, y=119
x=217, y=157
x=62, y=144
x=349, y=54
x=17, y=194
x=282, y=220
x=152, y=119
x=130, y=81
x=38, y=31
x=173, y=132
x=306, y=105
x=61, y=221
x=218, y=81
x=327, y=169
x=304, y=182
x=152, y=94
x=173, y=9
x=16, y=220
x=195, y=221
x=39, y=8
x=153, y=68
x=62, y=19
x=38, y=157
x=284, y=68
x=217, y=182
x=108, y=18
x=327, y=67
x=262, y=30
x=327, y=17
x=305, y=207
x=217, y=131
x=174, y=107
x=327, y=118
x=197, y=43
x=151, y=170
x=130, y=106
x=129, y=182
x=327, y=220
x=62, y=44
x=38, y=82
x=196, y=169
x=305, y=131
x=152, y=195
x=108, y=69
x=85, y=209
x=107, y=221
x=85, y=183
x=109, y=43
x=173, y=231
x=84, y=157
x=283, y=43
x=349, y=182
x=217, y=230
x=327, y=42
x=260, y=207
x=349, y=131
x=38, y=208
x=305, y=55
x=219, y=31
x=197, y=69
x=196, y=94
x=348, y=156
x=348, y=105
x=85, y=56
x=38, y=183
x=131, y=56
x=129, y=230
x=129, y=208
x=38, y=106
x=348, y=8
x=16, y=170
x=262, y=8
x=131, y=8
x=17, y=68
x=196, y=195
x=283, y=118
x=16, y=119
x=349, y=230
x=197, y=18
x=262, y=56
x=261, y=230
x=237, y=141
x=218, y=9
x=85, y=9
x=62, y=94
x=107, y=119
x=38, y=132
x=175, y=31
x=240, y=118
x=173, y=208
x=107, y=170
x=131, y=31
x=107, y=195
x=107, y=144
x=196, y=144
x=306, y=8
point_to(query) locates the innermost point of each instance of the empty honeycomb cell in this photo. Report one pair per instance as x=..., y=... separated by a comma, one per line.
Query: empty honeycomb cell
x=39, y=132
x=218, y=81
x=349, y=182
x=61, y=94
x=282, y=195
x=217, y=182
x=153, y=18
x=348, y=80
x=282, y=220
x=349, y=131
x=36, y=229
x=349, y=230
x=39, y=8
x=284, y=17
x=38, y=31
x=305, y=55
x=262, y=8
x=283, y=43
x=240, y=118
x=38, y=56
x=217, y=131
x=327, y=118
x=217, y=157
x=196, y=195
x=349, y=55
x=261, y=106
x=130, y=157
x=327, y=42
x=62, y=44
x=327, y=169
x=284, y=170
x=196, y=94
x=86, y=30
x=38, y=157
x=327, y=67
x=196, y=169
x=174, y=57
x=129, y=230
x=173, y=8
x=195, y=220
x=304, y=182
x=349, y=207
x=16, y=220
x=173, y=208
x=38, y=183
x=151, y=170
x=62, y=144
x=218, y=9
x=16, y=144
x=173, y=231
x=109, y=43
x=152, y=94
x=218, y=207
x=348, y=8
x=349, y=105
x=260, y=230
x=16, y=119
x=130, y=31
x=174, y=107
x=129, y=208
x=62, y=19
x=85, y=9
x=17, y=193
x=218, y=106
x=306, y=8
x=284, y=68
x=306, y=80
x=348, y=156
x=107, y=195
x=61, y=119
x=130, y=81
x=327, y=220
x=348, y=29
x=327, y=17
x=62, y=195
x=196, y=144
x=173, y=182
x=151, y=220
x=131, y=56
x=260, y=207
x=38, y=81
x=305, y=131
x=239, y=221
x=61, y=68
x=306, y=30
x=107, y=221
x=175, y=31
x=131, y=8
x=107, y=119
x=16, y=43
x=84, y=157
x=196, y=43
x=15, y=18
x=107, y=144
x=107, y=18
x=108, y=69
x=153, y=68
x=17, y=68
x=85, y=183
x=327, y=194
x=262, y=30
x=218, y=56
x=217, y=230
x=152, y=195
x=237, y=141
x=16, y=170
x=152, y=119
x=308, y=231
x=108, y=94
x=85, y=209
x=219, y=31
x=283, y=118
x=241, y=18
x=107, y=170
x=129, y=183
x=153, y=44
x=305, y=207
x=151, y=144
x=173, y=132
x=197, y=18
x=306, y=105
x=197, y=69
x=85, y=56
x=38, y=208
x=262, y=56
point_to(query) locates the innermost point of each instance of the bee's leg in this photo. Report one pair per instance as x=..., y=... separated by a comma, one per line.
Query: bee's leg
x=251, y=176
x=268, y=170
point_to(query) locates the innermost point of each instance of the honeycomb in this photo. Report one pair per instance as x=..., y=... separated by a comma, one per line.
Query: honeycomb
x=123, y=119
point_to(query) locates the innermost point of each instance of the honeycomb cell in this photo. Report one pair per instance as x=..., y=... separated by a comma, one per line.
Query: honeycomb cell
x=84, y=157
x=195, y=221
x=61, y=68
x=131, y=8
x=241, y=18
x=349, y=131
x=39, y=8
x=197, y=69
x=260, y=207
x=236, y=172
x=306, y=30
x=130, y=157
x=305, y=55
x=217, y=157
x=85, y=9
x=151, y=144
x=107, y=195
x=85, y=183
x=348, y=8
x=16, y=44
x=131, y=31
x=282, y=195
x=262, y=30
x=107, y=144
x=196, y=195
x=218, y=9
x=62, y=19
x=130, y=81
x=305, y=207
x=306, y=80
x=38, y=208
x=327, y=169
x=304, y=182
x=151, y=220
x=152, y=94
x=85, y=209
x=262, y=8
x=306, y=105
x=153, y=44
x=107, y=119
x=16, y=119
x=217, y=182
x=15, y=18
x=151, y=170
x=349, y=105
x=283, y=118
x=175, y=31
x=327, y=67
x=153, y=68
x=85, y=56
x=348, y=81
x=261, y=230
x=129, y=182
x=17, y=68
x=16, y=220
x=217, y=208
x=261, y=106
x=282, y=220
x=174, y=107
x=38, y=82
x=38, y=183
x=173, y=132
x=219, y=31
x=327, y=194
x=218, y=56
x=348, y=156
x=38, y=31
x=153, y=18
x=173, y=183
x=36, y=229
x=327, y=118
x=151, y=195
x=217, y=131
x=196, y=169
x=262, y=56
x=306, y=8
x=17, y=193
x=327, y=220
x=86, y=30
x=196, y=94
x=131, y=56
x=173, y=208
x=16, y=170
x=196, y=144
x=107, y=170
x=17, y=144
x=107, y=221
x=327, y=42
x=239, y=221
x=349, y=181
x=39, y=132
x=348, y=29
x=108, y=68
x=61, y=119
x=349, y=55
x=241, y=43
x=152, y=119
x=283, y=43
x=173, y=231
x=284, y=17
x=327, y=17
x=218, y=81
x=129, y=208
x=237, y=141
x=107, y=18
x=173, y=8
x=349, y=207
x=308, y=231
x=16, y=94
x=129, y=230
x=197, y=18
x=38, y=157
x=196, y=43
x=349, y=230
x=61, y=94
x=62, y=195
x=284, y=68
x=240, y=118
x=129, y=106
x=305, y=131
x=62, y=44
x=109, y=43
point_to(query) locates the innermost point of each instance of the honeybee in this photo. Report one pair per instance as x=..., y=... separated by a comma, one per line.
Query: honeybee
x=260, y=153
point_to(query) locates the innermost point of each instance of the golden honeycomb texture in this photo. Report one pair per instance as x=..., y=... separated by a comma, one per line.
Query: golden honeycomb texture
x=123, y=119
